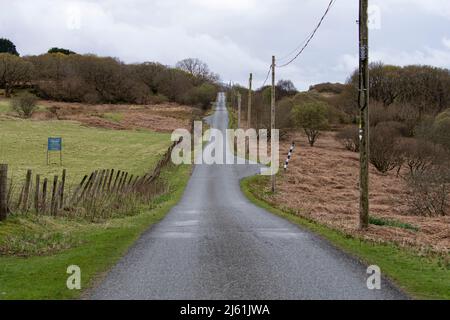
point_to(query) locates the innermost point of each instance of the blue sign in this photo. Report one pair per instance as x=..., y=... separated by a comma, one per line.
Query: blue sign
x=54, y=144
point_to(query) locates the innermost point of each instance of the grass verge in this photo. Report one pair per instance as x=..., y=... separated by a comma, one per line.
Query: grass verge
x=422, y=277
x=96, y=247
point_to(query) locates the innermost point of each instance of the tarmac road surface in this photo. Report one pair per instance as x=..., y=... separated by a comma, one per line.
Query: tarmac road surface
x=215, y=244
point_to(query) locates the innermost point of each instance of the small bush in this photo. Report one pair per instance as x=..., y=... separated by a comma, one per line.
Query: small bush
x=420, y=155
x=429, y=192
x=25, y=105
x=384, y=152
x=349, y=137
x=203, y=95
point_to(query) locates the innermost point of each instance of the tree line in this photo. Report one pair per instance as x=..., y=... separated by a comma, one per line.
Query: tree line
x=63, y=75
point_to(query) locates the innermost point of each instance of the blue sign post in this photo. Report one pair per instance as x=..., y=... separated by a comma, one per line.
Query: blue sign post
x=54, y=144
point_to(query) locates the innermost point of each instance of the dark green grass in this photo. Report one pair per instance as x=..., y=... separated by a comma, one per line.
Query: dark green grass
x=392, y=223
x=99, y=247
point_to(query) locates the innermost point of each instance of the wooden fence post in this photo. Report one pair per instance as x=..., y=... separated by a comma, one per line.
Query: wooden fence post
x=36, y=193
x=124, y=181
x=115, y=181
x=19, y=202
x=85, y=189
x=110, y=180
x=105, y=181
x=77, y=190
x=44, y=195
x=57, y=198
x=120, y=181
x=3, y=191
x=91, y=185
x=52, y=204
x=26, y=190
x=129, y=182
x=98, y=183
x=63, y=182
x=133, y=186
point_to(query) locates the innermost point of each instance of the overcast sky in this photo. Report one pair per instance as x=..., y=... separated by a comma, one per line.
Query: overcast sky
x=234, y=37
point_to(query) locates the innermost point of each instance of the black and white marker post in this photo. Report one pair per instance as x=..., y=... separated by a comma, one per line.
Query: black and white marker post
x=291, y=149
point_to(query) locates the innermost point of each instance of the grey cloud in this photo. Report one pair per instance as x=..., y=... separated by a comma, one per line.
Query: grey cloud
x=234, y=37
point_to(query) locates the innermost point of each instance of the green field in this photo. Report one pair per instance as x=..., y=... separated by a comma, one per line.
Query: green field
x=92, y=247
x=23, y=146
x=421, y=276
x=4, y=106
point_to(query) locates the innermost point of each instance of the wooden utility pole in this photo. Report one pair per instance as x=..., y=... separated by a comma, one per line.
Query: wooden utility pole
x=272, y=123
x=3, y=191
x=363, y=101
x=249, y=107
x=239, y=110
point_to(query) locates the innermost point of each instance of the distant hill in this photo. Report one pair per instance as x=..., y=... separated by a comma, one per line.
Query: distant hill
x=327, y=87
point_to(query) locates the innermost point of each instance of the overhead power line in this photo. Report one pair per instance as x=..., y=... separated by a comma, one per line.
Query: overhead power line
x=310, y=37
x=267, y=77
x=286, y=56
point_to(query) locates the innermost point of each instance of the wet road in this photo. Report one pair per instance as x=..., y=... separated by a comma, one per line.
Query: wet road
x=215, y=244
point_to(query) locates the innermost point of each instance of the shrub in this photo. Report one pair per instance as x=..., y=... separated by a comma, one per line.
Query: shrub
x=349, y=137
x=429, y=192
x=312, y=117
x=203, y=95
x=420, y=155
x=407, y=115
x=384, y=152
x=25, y=104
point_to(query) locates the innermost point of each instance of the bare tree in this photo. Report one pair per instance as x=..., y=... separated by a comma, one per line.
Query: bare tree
x=196, y=68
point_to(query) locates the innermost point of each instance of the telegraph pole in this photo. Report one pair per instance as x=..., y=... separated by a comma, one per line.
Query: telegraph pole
x=249, y=107
x=363, y=101
x=272, y=122
x=239, y=110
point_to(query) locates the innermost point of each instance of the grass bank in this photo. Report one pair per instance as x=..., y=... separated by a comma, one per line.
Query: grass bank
x=55, y=243
x=424, y=277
